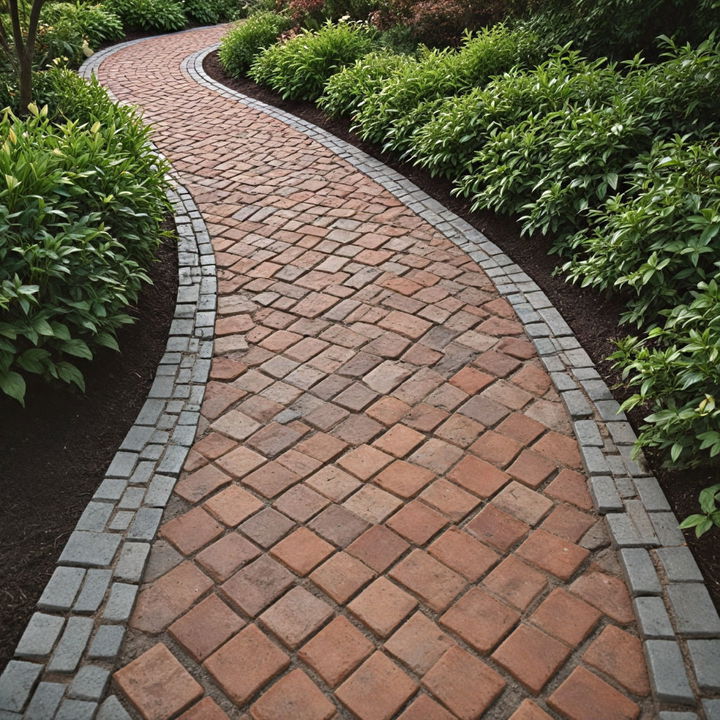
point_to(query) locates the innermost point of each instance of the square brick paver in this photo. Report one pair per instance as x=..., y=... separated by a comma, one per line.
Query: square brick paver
x=190, y=531
x=417, y=522
x=293, y=696
x=566, y=616
x=382, y=606
x=515, y=582
x=378, y=547
x=461, y=552
x=419, y=643
x=226, y=555
x=251, y=650
x=341, y=576
x=257, y=585
x=296, y=616
x=302, y=550
x=336, y=650
x=377, y=689
x=436, y=584
x=233, y=505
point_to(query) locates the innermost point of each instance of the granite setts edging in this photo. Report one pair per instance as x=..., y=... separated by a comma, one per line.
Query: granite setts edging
x=63, y=662
x=676, y=616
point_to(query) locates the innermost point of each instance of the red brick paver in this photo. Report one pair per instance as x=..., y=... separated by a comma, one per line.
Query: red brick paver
x=383, y=514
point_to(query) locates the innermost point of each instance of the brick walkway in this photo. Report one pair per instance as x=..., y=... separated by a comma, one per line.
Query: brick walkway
x=384, y=515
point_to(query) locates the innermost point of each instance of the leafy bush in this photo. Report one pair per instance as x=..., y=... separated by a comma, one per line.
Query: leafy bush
x=62, y=41
x=80, y=210
x=346, y=91
x=299, y=68
x=554, y=167
x=409, y=97
x=622, y=28
x=659, y=239
x=246, y=40
x=210, y=12
x=676, y=371
x=149, y=15
x=95, y=22
x=710, y=513
x=462, y=124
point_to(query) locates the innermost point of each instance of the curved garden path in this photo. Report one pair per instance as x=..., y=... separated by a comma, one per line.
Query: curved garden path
x=385, y=514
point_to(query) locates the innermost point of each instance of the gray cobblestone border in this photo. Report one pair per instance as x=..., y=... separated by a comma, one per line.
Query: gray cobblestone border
x=676, y=616
x=63, y=662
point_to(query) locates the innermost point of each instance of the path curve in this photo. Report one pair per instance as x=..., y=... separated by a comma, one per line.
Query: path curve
x=385, y=514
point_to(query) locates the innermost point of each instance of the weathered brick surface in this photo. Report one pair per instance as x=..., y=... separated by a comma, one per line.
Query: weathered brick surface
x=384, y=500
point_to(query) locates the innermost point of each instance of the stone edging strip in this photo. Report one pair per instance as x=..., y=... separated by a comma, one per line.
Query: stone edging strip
x=676, y=616
x=63, y=662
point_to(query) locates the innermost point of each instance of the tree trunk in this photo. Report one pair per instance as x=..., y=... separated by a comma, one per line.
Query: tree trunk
x=25, y=78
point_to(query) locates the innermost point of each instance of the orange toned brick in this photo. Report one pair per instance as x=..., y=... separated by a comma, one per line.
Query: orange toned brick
x=559, y=448
x=568, y=523
x=302, y=550
x=388, y=410
x=251, y=650
x=471, y=380
x=240, y=462
x=553, y=554
x=496, y=449
x=157, y=685
x=532, y=469
x=531, y=656
x=202, y=482
x=417, y=522
x=404, y=479
x=460, y=430
x=423, y=708
x=364, y=461
x=419, y=643
x=434, y=583
x=619, y=655
x=322, y=447
x=607, y=593
x=520, y=427
x=226, y=555
x=463, y=554
x=480, y=620
x=528, y=710
x=378, y=548
x=570, y=487
x=525, y=504
x=206, y=709
x=342, y=576
x=497, y=528
x=566, y=616
x=257, y=585
x=336, y=650
x=515, y=582
x=296, y=616
x=399, y=441
x=232, y=505
x=300, y=503
x=271, y=479
x=334, y=483
x=207, y=626
x=293, y=696
x=213, y=445
x=582, y=693
x=449, y=499
x=191, y=531
x=377, y=689
x=382, y=606
x=169, y=597
x=478, y=476
x=463, y=683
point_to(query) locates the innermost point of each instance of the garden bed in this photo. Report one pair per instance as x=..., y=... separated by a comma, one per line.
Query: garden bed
x=592, y=316
x=56, y=449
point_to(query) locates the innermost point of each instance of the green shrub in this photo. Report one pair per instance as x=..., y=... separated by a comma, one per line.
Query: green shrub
x=80, y=213
x=63, y=41
x=462, y=124
x=346, y=91
x=409, y=97
x=709, y=516
x=247, y=39
x=211, y=12
x=95, y=22
x=555, y=167
x=149, y=15
x=299, y=68
x=659, y=239
x=676, y=372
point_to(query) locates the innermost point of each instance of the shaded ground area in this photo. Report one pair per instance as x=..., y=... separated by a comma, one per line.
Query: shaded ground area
x=592, y=316
x=56, y=450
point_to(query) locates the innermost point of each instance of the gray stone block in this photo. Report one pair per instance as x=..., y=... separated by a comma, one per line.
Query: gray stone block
x=627, y=533
x=159, y=491
x=667, y=672
x=40, y=635
x=711, y=708
x=705, y=655
x=672, y=715
x=651, y=494
x=605, y=494
x=653, y=618
x=137, y=437
x=679, y=564
x=595, y=461
x=132, y=498
x=131, y=564
x=122, y=465
x=89, y=683
x=16, y=683
x=45, y=701
x=93, y=591
x=120, y=603
x=76, y=710
x=107, y=642
x=60, y=592
x=173, y=460
x=621, y=432
x=587, y=433
x=95, y=516
x=666, y=527
x=695, y=614
x=640, y=571
x=145, y=524
x=111, y=709
x=90, y=549
x=72, y=644
x=121, y=520
x=143, y=472
x=110, y=489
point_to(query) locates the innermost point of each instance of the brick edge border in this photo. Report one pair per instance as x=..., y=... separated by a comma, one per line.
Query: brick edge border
x=67, y=653
x=675, y=614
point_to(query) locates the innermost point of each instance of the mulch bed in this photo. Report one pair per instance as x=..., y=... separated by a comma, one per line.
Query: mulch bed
x=55, y=451
x=592, y=316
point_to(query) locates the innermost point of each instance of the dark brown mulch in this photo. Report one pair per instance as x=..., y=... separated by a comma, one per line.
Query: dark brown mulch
x=56, y=450
x=593, y=317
